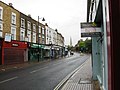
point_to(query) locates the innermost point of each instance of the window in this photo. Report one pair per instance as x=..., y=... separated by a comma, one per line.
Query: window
x=34, y=37
x=1, y=29
x=39, y=35
x=43, y=42
x=13, y=18
x=39, y=29
x=43, y=31
x=13, y=33
x=0, y=34
x=43, y=36
x=34, y=27
x=22, y=23
x=22, y=35
x=29, y=25
x=29, y=35
x=1, y=13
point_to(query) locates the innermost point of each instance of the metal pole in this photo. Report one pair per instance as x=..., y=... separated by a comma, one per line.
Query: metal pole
x=41, y=52
x=38, y=38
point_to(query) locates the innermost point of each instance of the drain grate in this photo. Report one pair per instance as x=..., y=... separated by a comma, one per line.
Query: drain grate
x=84, y=81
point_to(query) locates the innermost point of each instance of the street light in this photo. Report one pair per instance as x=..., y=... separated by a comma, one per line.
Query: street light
x=43, y=19
x=50, y=49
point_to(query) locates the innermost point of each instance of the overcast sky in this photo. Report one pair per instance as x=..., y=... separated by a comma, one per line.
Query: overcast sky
x=64, y=15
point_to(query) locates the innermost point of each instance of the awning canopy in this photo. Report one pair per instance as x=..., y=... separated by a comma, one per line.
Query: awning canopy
x=37, y=46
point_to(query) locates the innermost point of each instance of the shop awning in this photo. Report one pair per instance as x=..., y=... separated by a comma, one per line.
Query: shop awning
x=47, y=47
x=37, y=46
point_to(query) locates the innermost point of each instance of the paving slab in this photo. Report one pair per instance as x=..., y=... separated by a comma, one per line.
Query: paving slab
x=82, y=79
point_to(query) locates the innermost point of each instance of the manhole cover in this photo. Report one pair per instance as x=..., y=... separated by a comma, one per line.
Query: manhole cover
x=84, y=81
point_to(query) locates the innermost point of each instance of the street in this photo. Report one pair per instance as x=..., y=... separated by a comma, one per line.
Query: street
x=43, y=76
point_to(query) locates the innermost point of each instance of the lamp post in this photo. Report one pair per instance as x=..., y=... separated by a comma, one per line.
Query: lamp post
x=39, y=37
x=50, y=50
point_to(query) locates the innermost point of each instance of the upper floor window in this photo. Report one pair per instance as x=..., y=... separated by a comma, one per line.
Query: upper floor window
x=22, y=22
x=1, y=29
x=22, y=35
x=43, y=41
x=1, y=13
x=13, y=33
x=43, y=31
x=34, y=27
x=13, y=18
x=29, y=25
x=29, y=35
x=39, y=29
x=34, y=37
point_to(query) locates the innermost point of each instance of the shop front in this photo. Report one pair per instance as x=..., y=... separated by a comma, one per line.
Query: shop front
x=47, y=52
x=14, y=52
x=35, y=52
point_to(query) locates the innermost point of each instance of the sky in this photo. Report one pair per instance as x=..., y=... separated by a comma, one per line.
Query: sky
x=63, y=15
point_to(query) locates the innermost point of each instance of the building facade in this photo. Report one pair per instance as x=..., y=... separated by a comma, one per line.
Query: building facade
x=22, y=38
x=51, y=36
x=10, y=29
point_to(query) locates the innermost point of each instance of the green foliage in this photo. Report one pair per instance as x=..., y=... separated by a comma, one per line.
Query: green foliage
x=88, y=45
x=84, y=46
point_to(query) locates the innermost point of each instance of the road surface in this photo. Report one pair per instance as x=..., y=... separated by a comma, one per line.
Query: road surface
x=43, y=76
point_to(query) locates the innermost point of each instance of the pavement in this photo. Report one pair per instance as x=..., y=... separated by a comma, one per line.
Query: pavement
x=80, y=79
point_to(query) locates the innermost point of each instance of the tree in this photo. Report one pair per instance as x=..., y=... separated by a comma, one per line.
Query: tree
x=82, y=46
x=88, y=45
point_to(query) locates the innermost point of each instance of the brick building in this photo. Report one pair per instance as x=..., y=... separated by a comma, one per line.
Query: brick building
x=21, y=37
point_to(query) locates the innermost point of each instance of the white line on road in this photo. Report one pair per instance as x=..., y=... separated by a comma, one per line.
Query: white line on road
x=8, y=79
x=38, y=69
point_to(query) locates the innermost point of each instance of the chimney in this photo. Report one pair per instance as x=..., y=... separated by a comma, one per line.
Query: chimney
x=29, y=15
x=46, y=24
x=10, y=4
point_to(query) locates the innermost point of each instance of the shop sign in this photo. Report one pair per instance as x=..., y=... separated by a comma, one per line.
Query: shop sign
x=36, y=46
x=7, y=37
x=90, y=30
x=47, y=47
x=15, y=45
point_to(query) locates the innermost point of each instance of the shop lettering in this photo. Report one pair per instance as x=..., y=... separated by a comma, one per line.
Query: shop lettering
x=15, y=45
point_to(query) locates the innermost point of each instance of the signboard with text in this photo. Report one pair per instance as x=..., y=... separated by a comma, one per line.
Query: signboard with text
x=90, y=30
x=7, y=37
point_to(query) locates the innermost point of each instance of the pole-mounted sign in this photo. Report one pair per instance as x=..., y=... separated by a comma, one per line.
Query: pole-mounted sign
x=90, y=29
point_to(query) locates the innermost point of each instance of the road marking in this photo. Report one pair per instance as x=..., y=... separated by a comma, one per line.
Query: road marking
x=57, y=64
x=8, y=79
x=69, y=76
x=38, y=70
